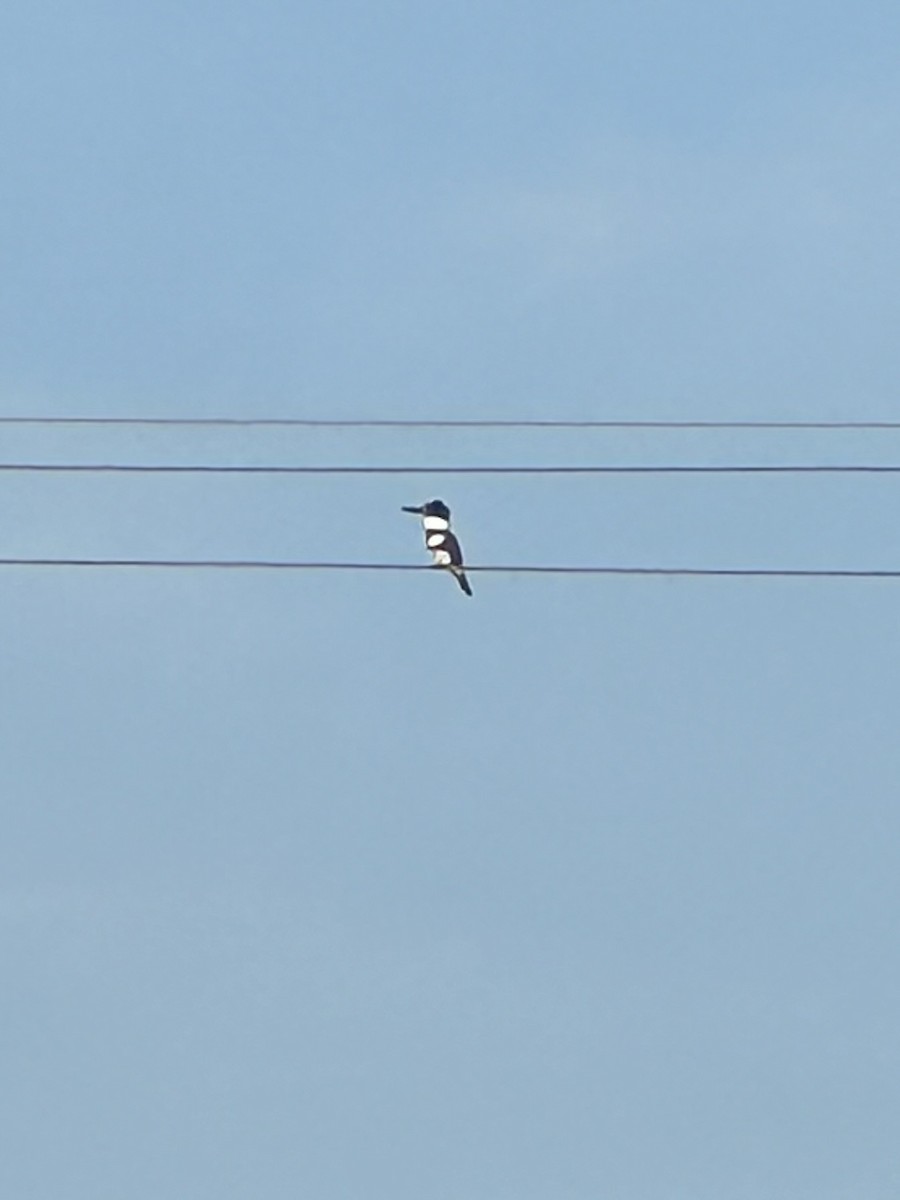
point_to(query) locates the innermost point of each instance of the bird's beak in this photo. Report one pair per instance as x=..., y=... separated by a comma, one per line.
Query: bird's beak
x=408, y=508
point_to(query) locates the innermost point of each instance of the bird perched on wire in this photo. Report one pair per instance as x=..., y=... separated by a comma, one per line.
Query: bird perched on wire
x=443, y=544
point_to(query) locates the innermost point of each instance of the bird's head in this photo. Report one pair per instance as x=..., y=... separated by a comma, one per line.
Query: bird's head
x=434, y=508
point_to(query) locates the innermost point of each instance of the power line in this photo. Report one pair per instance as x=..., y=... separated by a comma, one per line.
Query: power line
x=296, y=565
x=583, y=469
x=404, y=423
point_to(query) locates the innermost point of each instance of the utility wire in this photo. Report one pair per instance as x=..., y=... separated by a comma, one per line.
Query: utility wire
x=250, y=564
x=403, y=423
x=589, y=469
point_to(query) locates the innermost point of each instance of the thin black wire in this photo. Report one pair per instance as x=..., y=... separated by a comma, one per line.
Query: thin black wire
x=590, y=469
x=403, y=423
x=296, y=565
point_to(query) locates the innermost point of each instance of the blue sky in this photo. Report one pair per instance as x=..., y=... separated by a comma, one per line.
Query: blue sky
x=340, y=886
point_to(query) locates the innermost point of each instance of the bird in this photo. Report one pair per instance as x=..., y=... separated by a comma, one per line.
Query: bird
x=443, y=544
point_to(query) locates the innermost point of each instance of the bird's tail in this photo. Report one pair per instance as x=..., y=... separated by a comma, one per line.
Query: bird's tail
x=462, y=581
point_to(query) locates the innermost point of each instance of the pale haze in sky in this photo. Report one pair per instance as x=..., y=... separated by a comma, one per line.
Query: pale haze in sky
x=340, y=885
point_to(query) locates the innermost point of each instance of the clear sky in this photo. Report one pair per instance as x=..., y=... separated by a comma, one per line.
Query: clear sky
x=345, y=886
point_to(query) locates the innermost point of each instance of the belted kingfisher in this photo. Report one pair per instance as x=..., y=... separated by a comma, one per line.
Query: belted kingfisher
x=444, y=547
